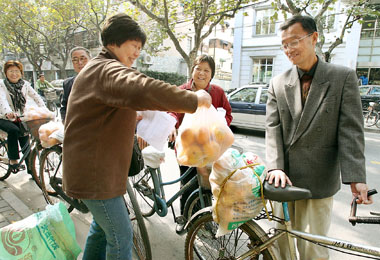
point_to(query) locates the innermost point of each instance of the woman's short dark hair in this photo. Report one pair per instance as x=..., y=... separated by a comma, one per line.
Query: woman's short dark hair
x=205, y=58
x=120, y=28
x=307, y=23
x=11, y=63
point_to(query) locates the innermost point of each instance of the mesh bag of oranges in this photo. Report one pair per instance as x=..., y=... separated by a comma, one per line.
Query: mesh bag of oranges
x=202, y=138
x=236, y=181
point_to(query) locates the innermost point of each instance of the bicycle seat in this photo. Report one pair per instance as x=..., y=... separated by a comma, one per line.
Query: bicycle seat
x=289, y=193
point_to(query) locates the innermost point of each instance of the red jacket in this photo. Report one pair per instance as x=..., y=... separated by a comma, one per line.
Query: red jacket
x=219, y=99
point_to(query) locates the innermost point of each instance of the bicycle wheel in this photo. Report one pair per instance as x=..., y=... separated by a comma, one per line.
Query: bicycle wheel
x=371, y=119
x=201, y=241
x=143, y=190
x=4, y=169
x=140, y=233
x=193, y=203
x=50, y=162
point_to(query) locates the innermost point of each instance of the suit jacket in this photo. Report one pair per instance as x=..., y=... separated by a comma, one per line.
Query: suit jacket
x=317, y=144
x=67, y=85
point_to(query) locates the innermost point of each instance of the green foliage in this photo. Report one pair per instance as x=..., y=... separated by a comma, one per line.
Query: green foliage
x=172, y=78
x=202, y=15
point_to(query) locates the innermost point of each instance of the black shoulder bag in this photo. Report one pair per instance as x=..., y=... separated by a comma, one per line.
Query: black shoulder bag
x=137, y=162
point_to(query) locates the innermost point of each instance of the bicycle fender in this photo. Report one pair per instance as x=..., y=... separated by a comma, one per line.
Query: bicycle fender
x=199, y=213
x=160, y=206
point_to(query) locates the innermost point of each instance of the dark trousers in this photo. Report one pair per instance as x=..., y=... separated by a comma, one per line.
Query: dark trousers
x=192, y=188
x=14, y=138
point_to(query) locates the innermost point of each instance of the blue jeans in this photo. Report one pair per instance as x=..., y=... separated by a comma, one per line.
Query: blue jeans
x=110, y=236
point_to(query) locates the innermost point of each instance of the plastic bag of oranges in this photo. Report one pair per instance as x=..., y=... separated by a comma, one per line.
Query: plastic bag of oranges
x=236, y=185
x=45, y=133
x=202, y=138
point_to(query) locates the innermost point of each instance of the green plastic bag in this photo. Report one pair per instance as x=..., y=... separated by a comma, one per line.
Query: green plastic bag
x=49, y=234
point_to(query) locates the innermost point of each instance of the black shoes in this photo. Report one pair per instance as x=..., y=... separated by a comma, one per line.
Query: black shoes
x=180, y=227
x=15, y=168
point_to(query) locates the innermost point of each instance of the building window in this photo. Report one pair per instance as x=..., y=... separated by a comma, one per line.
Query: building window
x=264, y=25
x=262, y=70
x=370, y=27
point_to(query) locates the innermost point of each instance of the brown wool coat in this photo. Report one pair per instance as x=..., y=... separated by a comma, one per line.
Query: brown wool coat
x=101, y=120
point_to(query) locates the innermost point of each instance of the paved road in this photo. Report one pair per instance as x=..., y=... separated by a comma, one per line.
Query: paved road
x=166, y=244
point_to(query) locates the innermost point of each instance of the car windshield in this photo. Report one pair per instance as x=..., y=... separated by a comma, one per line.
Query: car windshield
x=375, y=91
x=245, y=95
x=364, y=90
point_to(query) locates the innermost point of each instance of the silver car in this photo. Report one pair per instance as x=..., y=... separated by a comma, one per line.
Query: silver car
x=248, y=105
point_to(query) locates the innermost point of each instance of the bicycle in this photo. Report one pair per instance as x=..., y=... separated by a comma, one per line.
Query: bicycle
x=372, y=115
x=250, y=241
x=149, y=191
x=50, y=175
x=31, y=151
x=52, y=100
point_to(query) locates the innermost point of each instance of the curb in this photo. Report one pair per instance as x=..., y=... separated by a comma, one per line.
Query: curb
x=16, y=204
x=372, y=129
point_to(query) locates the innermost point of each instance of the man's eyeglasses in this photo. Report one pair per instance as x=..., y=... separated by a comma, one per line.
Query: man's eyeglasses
x=294, y=44
x=81, y=59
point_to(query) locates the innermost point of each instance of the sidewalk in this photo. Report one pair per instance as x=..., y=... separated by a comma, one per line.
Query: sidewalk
x=11, y=208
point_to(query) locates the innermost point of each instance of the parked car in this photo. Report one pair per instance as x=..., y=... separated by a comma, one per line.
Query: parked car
x=57, y=83
x=369, y=93
x=248, y=105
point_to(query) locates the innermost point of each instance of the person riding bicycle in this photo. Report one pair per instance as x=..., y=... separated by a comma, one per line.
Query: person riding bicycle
x=14, y=94
x=43, y=85
x=99, y=133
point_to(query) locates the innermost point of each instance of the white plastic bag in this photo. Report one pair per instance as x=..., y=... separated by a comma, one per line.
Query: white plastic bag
x=155, y=127
x=236, y=188
x=152, y=157
x=202, y=138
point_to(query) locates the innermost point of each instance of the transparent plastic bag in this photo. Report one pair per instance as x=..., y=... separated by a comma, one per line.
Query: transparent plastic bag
x=202, y=138
x=236, y=185
x=46, y=132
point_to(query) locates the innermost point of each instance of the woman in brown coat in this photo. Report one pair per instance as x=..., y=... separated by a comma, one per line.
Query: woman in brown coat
x=99, y=130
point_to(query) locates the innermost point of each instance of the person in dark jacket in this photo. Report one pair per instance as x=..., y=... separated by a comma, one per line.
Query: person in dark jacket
x=79, y=57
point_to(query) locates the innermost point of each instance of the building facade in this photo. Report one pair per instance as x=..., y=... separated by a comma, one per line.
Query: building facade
x=258, y=58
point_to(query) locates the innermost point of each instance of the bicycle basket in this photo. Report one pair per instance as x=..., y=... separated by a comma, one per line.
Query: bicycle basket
x=34, y=125
x=50, y=95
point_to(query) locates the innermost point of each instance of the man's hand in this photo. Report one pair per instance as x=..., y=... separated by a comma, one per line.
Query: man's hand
x=360, y=190
x=204, y=99
x=11, y=116
x=279, y=177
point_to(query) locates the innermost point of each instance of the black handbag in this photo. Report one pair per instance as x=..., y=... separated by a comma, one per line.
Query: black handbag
x=137, y=162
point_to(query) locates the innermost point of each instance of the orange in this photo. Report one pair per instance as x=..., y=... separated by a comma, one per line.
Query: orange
x=193, y=154
x=211, y=151
x=203, y=135
x=219, y=133
x=187, y=137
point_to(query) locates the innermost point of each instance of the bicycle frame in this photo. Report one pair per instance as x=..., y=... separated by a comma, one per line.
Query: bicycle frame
x=160, y=203
x=321, y=240
x=55, y=184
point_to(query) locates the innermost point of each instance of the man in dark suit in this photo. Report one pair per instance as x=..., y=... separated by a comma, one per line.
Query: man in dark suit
x=79, y=57
x=314, y=134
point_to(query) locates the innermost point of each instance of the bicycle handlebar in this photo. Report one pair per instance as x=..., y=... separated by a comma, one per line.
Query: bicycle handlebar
x=359, y=219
